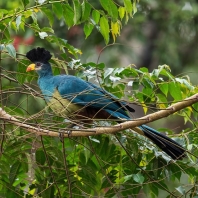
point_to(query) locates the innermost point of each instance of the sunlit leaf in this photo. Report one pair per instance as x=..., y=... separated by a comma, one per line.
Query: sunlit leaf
x=181, y=190
x=115, y=29
x=96, y=16
x=108, y=71
x=27, y=13
x=25, y=2
x=43, y=35
x=68, y=15
x=18, y=21
x=175, y=91
x=58, y=10
x=104, y=28
x=121, y=11
x=41, y=1
x=88, y=27
x=164, y=88
x=86, y=9
x=139, y=178
x=128, y=6
x=77, y=11
x=110, y=7
x=49, y=15
x=11, y=50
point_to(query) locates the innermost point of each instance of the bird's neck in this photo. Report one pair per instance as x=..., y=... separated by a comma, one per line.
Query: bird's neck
x=47, y=73
x=45, y=83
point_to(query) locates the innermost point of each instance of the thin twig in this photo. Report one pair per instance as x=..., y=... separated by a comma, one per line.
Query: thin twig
x=66, y=167
x=3, y=122
x=50, y=168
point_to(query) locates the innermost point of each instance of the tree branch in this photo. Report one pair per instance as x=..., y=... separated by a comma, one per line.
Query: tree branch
x=100, y=130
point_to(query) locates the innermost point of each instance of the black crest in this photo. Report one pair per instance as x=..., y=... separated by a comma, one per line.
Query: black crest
x=39, y=55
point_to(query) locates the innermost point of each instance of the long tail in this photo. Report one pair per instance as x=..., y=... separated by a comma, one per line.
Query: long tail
x=169, y=146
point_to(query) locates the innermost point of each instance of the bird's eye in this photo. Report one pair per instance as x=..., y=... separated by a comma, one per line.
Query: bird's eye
x=38, y=64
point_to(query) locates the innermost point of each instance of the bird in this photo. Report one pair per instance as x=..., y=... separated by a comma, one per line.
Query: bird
x=83, y=101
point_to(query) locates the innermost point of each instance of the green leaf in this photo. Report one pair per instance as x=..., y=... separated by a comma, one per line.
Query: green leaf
x=20, y=179
x=139, y=178
x=47, y=29
x=161, y=185
x=121, y=11
x=2, y=46
x=100, y=66
x=25, y=2
x=28, y=13
x=11, y=50
x=49, y=15
x=134, y=8
x=86, y=9
x=96, y=16
x=40, y=157
x=104, y=4
x=164, y=88
x=162, y=101
x=7, y=33
x=14, y=171
x=41, y=1
x=185, y=82
x=49, y=192
x=110, y=7
x=2, y=12
x=108, y=71
x=68, y=15
x=88, y=27
x=127, y=178
x=175, y=91
x=181, y=190
x=175, y=171
x=58, y=10
x=77, y=11
x=43, y=35
x=18, y=21
x=128, y=5
x=150, y=189
x=147, y=91
x=4, y=31
x=154, y=189
x=104, y=28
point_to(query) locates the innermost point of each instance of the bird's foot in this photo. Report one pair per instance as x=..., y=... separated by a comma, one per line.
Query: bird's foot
x=68, y=132
x=61, y=135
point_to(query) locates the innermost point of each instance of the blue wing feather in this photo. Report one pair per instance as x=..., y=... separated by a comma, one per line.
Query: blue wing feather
x=87, y=94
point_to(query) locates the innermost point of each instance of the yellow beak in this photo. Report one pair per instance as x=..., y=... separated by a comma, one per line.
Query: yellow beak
x=30, y=67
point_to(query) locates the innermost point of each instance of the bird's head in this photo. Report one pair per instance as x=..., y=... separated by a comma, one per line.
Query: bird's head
x=40, y=61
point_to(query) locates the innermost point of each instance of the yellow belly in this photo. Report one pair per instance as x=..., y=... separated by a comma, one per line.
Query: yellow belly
x=62, y=106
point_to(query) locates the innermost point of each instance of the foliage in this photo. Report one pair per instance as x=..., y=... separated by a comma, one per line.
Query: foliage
x=101, y=166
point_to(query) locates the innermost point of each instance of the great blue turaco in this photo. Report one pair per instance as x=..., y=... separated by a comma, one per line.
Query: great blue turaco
x=81, y=100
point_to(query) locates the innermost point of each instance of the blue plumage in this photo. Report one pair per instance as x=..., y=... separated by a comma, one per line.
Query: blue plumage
x=71, y=96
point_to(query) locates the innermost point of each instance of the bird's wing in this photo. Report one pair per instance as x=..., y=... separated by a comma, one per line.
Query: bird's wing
x=113, y=97
x=87, y=94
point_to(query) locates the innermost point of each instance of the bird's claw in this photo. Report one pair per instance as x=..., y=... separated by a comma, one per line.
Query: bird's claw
x=62, y=132
x=69, y=132
x=61, y=135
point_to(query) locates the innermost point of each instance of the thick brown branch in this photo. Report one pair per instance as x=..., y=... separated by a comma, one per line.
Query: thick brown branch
x=100, y=130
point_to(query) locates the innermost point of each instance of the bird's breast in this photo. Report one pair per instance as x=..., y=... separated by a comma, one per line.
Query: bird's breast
x=62, y=106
